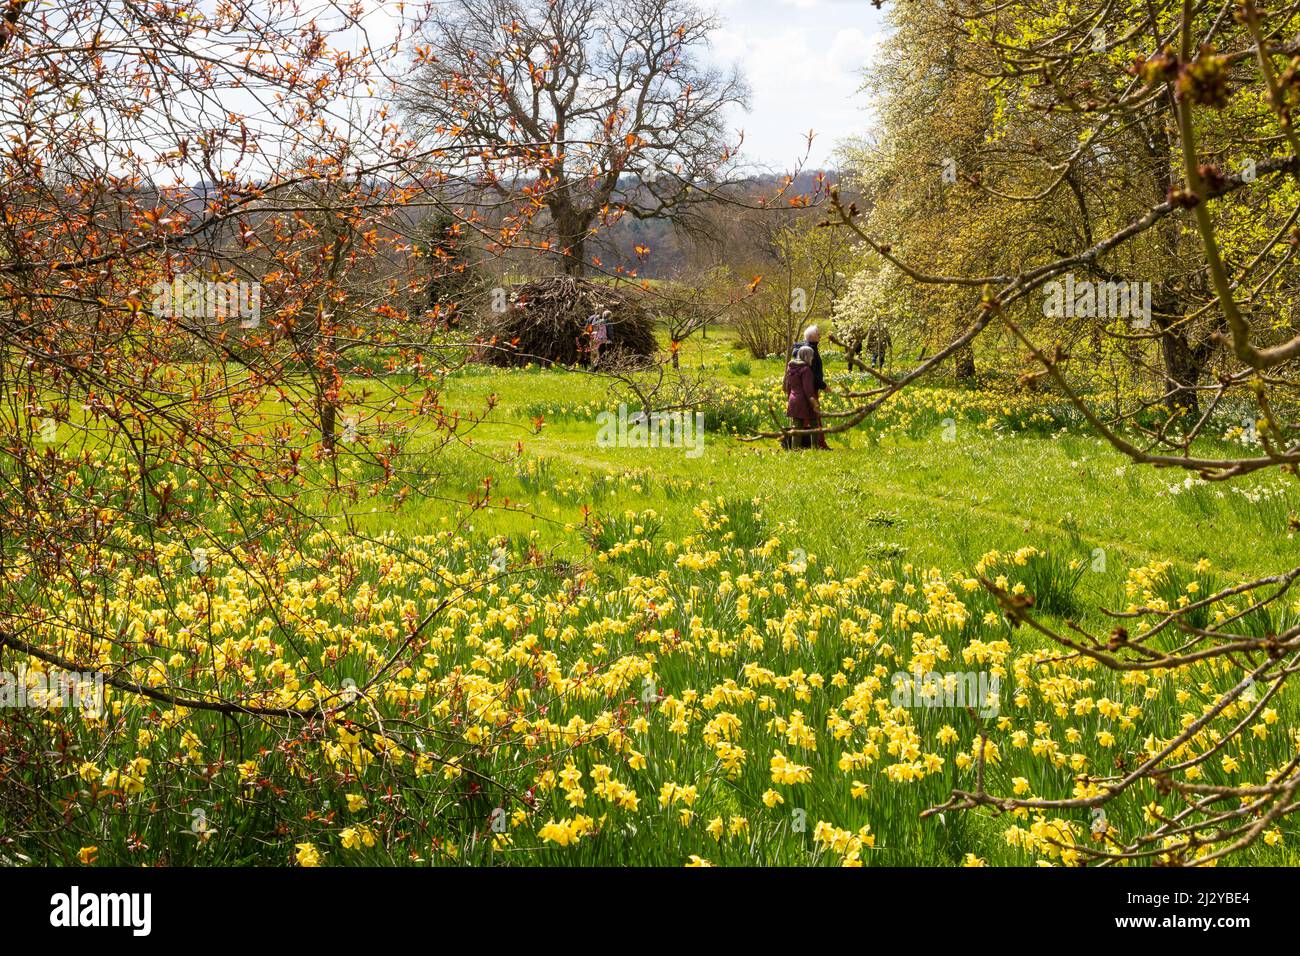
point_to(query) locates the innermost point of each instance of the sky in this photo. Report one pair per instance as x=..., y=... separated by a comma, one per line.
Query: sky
x=803, y=60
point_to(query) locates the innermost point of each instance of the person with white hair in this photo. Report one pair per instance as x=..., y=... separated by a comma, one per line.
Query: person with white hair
x=811, y=337
x=598, y=330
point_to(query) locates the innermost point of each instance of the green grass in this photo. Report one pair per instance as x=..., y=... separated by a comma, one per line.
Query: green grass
x=936, y=502
x=936, y=484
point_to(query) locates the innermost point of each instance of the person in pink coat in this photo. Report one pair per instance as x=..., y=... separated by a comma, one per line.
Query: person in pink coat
x=801, y=396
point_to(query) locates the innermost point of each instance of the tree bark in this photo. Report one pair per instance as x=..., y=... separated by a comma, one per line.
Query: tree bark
x=964, y=364
x=1185, y=364
x=571, y=232
x=328, y=416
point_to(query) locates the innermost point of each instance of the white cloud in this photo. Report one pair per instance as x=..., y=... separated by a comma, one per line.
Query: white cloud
x=802, y=77
x=852, y=49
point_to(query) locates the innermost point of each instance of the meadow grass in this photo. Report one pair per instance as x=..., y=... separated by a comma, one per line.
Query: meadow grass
x=689, y=658
x=935, y=499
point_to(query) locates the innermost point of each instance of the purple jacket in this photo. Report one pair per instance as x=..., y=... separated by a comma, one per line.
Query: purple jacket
x=800, y=389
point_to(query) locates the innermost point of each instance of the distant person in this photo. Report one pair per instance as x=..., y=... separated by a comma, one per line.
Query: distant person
x=801, y=395
x=599, y=335
x=811, y=337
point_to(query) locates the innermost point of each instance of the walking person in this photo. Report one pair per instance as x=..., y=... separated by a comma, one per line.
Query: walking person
x=812, y=336
x=801, y=396
x=598, y=329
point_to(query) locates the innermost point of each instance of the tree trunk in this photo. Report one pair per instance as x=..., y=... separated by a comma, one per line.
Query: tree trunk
x=572, y=237
x=574, y=263
x=1184, y=368
x=328, y=415
x=964, y=364
x=1184, y=363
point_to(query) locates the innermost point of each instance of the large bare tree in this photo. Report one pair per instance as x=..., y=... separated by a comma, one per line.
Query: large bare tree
x=587, y=109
